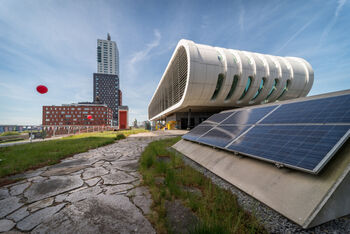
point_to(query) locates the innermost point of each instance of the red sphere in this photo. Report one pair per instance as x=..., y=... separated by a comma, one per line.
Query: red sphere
x=89, y=117
x=41, y=89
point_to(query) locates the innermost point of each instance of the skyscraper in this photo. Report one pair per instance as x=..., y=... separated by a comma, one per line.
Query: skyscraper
x=106, y=80
x=107, y=56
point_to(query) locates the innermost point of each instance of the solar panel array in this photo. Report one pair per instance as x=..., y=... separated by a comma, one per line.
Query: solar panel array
x=302, y=135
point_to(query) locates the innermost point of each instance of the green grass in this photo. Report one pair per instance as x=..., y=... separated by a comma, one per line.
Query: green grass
x=13, y=133
x=19, y=158
x=217, y=208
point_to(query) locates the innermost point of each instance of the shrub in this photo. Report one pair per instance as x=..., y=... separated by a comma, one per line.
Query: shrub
x=10, y=133
x=120, y=137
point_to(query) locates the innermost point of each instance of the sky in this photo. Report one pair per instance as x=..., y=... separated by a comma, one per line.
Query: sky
x=53, y=42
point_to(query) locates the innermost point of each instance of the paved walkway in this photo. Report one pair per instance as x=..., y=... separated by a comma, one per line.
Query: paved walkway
x=93, y=192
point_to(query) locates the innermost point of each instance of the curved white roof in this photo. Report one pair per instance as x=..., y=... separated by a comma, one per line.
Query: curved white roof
x=205, y=76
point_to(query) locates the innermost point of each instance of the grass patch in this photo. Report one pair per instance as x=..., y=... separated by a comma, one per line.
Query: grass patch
x=11, y=133
x=19, y=158
x=216, y=208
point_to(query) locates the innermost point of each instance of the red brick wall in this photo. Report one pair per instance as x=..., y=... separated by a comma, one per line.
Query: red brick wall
x=76, y=115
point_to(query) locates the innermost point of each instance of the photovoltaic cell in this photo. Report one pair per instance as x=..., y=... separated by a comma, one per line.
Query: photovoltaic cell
x=220, y=136
x=298, y=146
x=197, y=132
x=324, y=110
x=217, y=118
x=249, y=116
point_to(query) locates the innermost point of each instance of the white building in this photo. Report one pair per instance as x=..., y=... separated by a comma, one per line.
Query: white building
x=201, y=80
x=107, y=56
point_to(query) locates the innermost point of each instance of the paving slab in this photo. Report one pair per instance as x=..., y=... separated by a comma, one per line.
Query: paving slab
x=63, y=171
x=40, y=204
x=83, y=194
x=94, y=172
x=92, y=182
x=99, y=214
x=19, y=214
x=118, y=177
x=9, y=205
x=144, y=203
x=53, y=186
x=130, y=166
x=4, y=193
x=18, y=189
x=36, y=218
x=118, y=188
x=6, y=225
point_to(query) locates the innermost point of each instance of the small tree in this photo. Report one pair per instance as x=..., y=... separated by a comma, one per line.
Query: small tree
x=135, y=123
x=147, y=125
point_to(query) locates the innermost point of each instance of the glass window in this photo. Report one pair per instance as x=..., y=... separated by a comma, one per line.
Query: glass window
x=218, y=86
x=247, y=87
x=68, y=116
x=260, y=88
x=233, y=87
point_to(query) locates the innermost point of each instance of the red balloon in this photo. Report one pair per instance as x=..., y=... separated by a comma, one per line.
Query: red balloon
x=89, y=117
x=41, y=89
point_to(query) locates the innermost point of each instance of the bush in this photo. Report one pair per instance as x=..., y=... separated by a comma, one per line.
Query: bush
x=120, y=137
x=14, y=133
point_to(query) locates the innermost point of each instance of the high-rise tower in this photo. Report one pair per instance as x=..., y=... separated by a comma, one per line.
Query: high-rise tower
x=107, y=56
x=106, y=80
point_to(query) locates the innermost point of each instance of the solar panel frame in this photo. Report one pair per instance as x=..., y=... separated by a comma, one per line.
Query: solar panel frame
x=337, y=115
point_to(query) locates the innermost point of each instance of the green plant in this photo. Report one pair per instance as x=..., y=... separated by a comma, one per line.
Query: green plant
x=216, y=208
x=120, y=137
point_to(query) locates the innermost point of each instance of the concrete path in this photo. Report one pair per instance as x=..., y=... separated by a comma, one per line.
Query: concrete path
x=93, y=192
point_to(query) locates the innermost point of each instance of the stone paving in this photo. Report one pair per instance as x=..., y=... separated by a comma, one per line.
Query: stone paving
x=93, y=192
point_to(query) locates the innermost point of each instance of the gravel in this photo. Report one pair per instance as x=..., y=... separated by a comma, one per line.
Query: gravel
x=272, y=221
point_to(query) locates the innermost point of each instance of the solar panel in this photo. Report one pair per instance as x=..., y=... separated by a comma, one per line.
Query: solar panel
x=249, y=116
x=324, y=110
x=302, y=135
x=296, y=146
x=221, y=135
x=197, y=132
x=217, y=118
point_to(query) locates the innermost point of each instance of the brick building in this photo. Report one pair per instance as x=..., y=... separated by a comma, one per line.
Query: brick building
x=76, y=114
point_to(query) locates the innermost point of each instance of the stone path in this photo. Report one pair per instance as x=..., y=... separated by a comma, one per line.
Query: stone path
x=93, y=192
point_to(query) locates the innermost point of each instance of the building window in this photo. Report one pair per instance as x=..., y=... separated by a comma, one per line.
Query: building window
x=247, y=87
x=68, y=116
x=63, y=112
x=272, y=90
x=284, y=90
x=218, y=86
x=233, y=87
x=260, y=88
x=47, y=119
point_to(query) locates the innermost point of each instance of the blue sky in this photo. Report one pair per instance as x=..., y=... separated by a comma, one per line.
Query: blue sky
x=54, y=43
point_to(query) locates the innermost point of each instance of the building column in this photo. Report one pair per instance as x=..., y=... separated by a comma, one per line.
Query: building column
x=188, y=119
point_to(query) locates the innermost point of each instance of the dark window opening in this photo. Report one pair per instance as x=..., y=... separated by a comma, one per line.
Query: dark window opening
x=218, y=86
x=260, y=88
x=247, y=87
x=284, y=90
x=272, y=90
x=233, y=87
